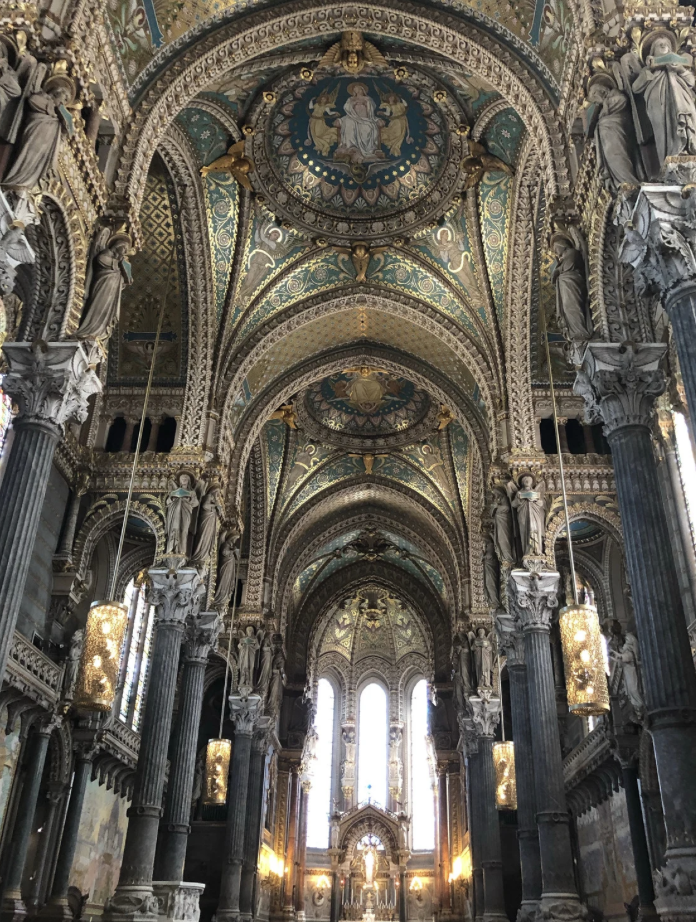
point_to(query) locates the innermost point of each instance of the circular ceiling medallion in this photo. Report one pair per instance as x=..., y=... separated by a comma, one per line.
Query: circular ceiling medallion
x=364, y=407
x=351, y=157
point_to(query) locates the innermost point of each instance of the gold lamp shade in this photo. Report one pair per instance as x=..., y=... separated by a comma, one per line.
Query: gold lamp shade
x=217, y=767
x=100, y=658
x=505, y=777
x=583, y=661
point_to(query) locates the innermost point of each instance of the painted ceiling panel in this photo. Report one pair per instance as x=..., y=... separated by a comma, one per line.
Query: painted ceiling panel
x=459, y=446
x=273, y=438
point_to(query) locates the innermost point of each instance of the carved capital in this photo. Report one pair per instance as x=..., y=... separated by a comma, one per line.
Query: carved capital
x=50, y=382
x=510, y=639
x=468, y=738
x=177, y=594
x=620, y=383
x=485, y=712
x=245, y=713
x=534, y=596
x=202, y=631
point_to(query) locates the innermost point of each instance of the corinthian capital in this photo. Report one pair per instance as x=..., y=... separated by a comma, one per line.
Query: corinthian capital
x=485, y=713
x=245, y=713
x=202, y=631
x=510, y=639
x=534, y=597
x=620, y=382
x=176, y=593
x=50, y=382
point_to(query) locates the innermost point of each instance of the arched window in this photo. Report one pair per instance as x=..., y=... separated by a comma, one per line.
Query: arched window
x=135, y=661
x=319, y=808
x=372, y=745
x=422, y=799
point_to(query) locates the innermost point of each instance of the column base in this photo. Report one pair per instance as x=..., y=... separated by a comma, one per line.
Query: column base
x=132, y=903
x=527, y=911
x=56, y=909
x=675, y=889
x=178, y=901
x=561, y=907
x=13, y=908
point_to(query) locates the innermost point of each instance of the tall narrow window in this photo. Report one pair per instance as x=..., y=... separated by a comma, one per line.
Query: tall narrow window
x=687, y=469
x=372, y=745
x=136, y=654
x=422, y=799
x=319, y=808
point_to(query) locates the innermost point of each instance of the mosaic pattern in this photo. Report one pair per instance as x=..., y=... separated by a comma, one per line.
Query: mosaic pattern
x=366, y=402
x=208, y=137
x=428, y=457
x=459, y=446
x=273, y=438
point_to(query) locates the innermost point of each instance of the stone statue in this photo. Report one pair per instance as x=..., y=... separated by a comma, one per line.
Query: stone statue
x=571, y=290
x=266, y=666
x=610, y=123
x=529, y=505
x=227, y=566
x=396, y=769
x=248, y=645
x=198, y=776
x=491, y=575
x=72, y=664
x=39, y=144
x=667, y=85
x=111, y=272
x=502, y=527
x=482, y=648
x=181, y=502
x=275, y=691
x=9, y=84
x=461, y=658
x=629, y=658
x=208, y=514
x=14, y=246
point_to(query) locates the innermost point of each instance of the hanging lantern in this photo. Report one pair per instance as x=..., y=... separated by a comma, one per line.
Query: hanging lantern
x=101, y=655
x=586, y=678
x=505, y=777
x=217, y=767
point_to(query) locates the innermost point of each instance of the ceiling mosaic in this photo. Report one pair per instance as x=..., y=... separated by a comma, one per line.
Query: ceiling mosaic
x=273, y=441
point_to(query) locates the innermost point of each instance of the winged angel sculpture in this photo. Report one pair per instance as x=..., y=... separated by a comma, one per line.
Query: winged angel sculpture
x=14, y=246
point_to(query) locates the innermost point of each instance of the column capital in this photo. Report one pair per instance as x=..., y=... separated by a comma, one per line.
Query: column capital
x=468, y=738
x=619, y=383
x=50, y=382
x=202, y=632
x=485, y=713
x=245, y=713
x=510, y=639
x=177, y=594
x=534, y=596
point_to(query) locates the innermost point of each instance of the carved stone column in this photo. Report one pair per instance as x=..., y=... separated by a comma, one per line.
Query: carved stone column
x=254, y=818
x=619, y=384
x=469, y=746
x=51, y=383
x=201, y=634
x=293, y=817
x=245, y=715
x=639, y=840
x=302, y=850
x=512, y=643
x=485, y=713
x=443, y=840
x=533, y=598
x=176, y=595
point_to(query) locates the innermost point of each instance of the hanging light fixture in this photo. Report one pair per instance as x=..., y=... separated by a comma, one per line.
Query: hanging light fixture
x=583, y=662
x=504, y=763
x=107, y=621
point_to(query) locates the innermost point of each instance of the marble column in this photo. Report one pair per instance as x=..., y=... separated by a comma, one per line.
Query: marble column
x=254, y=818
x=176, y=595
x=13, y=908
x=402, y=894
x=201, y=634
x=485, y=713
x=67, y=536
x=533, y=597
x=620, y=383
x=443, y=841
x=85, y=736
x=468, y=744
x=301, y=861
x=245, y=713
x=512, y=643
x=51, y=384
x=55, y=798
x=639, y=839
x=289, y=894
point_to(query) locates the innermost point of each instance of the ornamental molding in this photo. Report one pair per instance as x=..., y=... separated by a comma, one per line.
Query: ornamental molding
x=177, y=594
x=256, y=562
x=533, y=597
x=484, y=711
x=202, y=632
x=608, y=519
x=101, y=517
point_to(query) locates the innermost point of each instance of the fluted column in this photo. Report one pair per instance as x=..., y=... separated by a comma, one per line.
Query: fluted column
x=512, y=643
x=624, y=382
x=176, y=595
x=201, y=634
x=468, y=744
x=254, y=818
x=289, y=893
x=302, y=850
x=485, y=713
x=443, y=840
x=245, y=715
x=13, y=908
x=533, y=598
x=51, y=383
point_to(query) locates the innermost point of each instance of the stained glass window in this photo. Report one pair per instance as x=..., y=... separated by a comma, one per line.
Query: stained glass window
x=136, y=658
x=422, y=797
x=372, y=745
x=319, y=808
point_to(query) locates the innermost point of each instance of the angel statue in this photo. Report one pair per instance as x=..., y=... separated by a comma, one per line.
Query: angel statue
x=249, y=644
x=352, y=54
x=266, y=669
x=208, y=514
x=480, y=161
x=14, y=246
x=528, y=501
x=111, y=272
x=181, y=503
x=227, y=566
x=482, y=648
x=571, y=290
x=235, y=163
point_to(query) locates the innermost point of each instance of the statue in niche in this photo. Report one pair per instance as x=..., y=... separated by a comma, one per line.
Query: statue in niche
x=227, y=566
x=46, y=120
x=208, y=514
x=110, y=273
x=461, y=662
x=571, y=290
x=503, y=537
x=396, y=769
x=72, y=664
x=528, y=501
x=609, y=122
x=629, y=658
x=275, y=691
x=248, y=647
x=482, y=647
x=666, y=83
x=181, y=503
x=491, y=575
x=266, y=669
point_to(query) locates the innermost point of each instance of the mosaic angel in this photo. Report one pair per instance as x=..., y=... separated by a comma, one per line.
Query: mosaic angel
x=324, y=136
x=393, y=133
